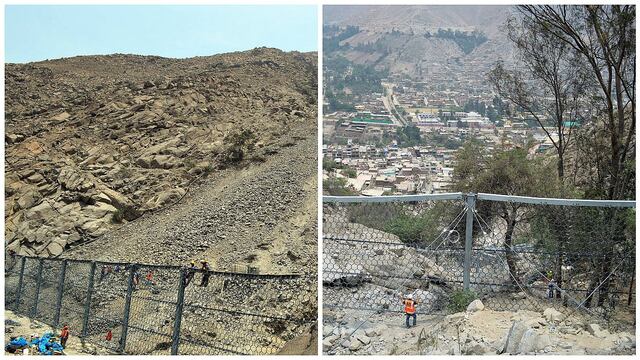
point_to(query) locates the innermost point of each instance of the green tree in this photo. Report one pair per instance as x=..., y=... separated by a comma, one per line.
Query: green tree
x=336, y=186
x=507, y=172
x=350, y=173
x=408, y=135
x=600, y=42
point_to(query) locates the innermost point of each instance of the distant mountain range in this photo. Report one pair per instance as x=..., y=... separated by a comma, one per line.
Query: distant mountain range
x=401, y=37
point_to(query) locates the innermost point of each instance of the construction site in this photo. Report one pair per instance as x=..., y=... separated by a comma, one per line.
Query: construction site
x=138, y=309
x=164, y=206
x=557, y=279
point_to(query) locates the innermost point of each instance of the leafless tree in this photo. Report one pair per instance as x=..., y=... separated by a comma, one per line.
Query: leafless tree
x=603, y=38
x=547, y=83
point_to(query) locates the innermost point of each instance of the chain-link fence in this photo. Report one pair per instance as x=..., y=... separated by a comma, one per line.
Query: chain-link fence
x=511, y=252
x=162, y=310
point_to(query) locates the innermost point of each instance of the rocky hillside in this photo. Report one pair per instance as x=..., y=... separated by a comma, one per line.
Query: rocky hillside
x=262, y=216
x=95, y=142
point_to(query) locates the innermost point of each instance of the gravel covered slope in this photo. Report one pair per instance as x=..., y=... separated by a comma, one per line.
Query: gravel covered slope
x=262, y=215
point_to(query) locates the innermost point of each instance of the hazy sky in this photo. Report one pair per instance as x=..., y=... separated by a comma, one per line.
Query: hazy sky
x=35, y=33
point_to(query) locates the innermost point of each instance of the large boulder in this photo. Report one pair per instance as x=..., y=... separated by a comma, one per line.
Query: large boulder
x=533, y=342
x=126, y=207
x=164, y=147
x=28, y=199
x=97, y=227
x=98, y=210
x=552, y=315
x=476, y=305
x=595, y=330
x=158, y=162
x=165, y=198
x=54, y=248
x=61, y=116
x=41, y=212
x=517, y=330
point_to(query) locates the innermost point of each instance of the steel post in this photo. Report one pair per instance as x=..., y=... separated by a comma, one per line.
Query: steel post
x=127, y=309
x=20, y=280
x=87, y=305
x=468, y=243
x=63, y=270
x=179, y=306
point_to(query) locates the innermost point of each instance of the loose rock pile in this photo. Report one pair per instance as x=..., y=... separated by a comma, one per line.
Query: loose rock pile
x=478, y=331
x=16, y=325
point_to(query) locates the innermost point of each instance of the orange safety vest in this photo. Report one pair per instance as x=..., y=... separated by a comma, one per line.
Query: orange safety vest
x=64, y=333
x=409, y=306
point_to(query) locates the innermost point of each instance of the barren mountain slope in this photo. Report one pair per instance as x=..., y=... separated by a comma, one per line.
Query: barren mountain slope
x=397, y=33
x=94, y=142
x=420, y=18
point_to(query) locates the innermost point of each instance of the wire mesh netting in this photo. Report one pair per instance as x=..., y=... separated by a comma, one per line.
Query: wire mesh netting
x=106, y=311
x=74, y=295
x=244, y=314
x=152, y=310
x=11, y=281
x=48, y=291
x=567, y=257
x=374, y=252
x=521, y=255
x=136, y=309
x=28, y=291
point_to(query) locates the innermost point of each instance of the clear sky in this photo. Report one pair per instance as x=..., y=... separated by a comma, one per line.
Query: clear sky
x=38, y=32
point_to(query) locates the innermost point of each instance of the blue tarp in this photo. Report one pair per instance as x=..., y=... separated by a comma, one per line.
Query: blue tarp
x=17, y=343
x=45, y=346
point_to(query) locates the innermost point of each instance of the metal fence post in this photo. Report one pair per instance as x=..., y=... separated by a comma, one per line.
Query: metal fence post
x=178, y=318
x=34, y=311
x=20, y=279
x=127, y=308
x=87, y=305
x=468, y=243
x=63, y=270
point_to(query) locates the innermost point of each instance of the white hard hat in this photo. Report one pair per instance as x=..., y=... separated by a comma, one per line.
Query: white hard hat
x=410, y=296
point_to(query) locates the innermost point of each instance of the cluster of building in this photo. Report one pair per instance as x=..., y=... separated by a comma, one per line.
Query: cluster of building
x=363, y=140
x=392, y=170
x=461, y=119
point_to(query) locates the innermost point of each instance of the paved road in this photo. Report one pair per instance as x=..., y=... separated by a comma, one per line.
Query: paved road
x=390, y=105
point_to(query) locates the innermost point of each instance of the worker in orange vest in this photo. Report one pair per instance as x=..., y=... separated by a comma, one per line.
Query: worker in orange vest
x=64, y=335
x=409, y=308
